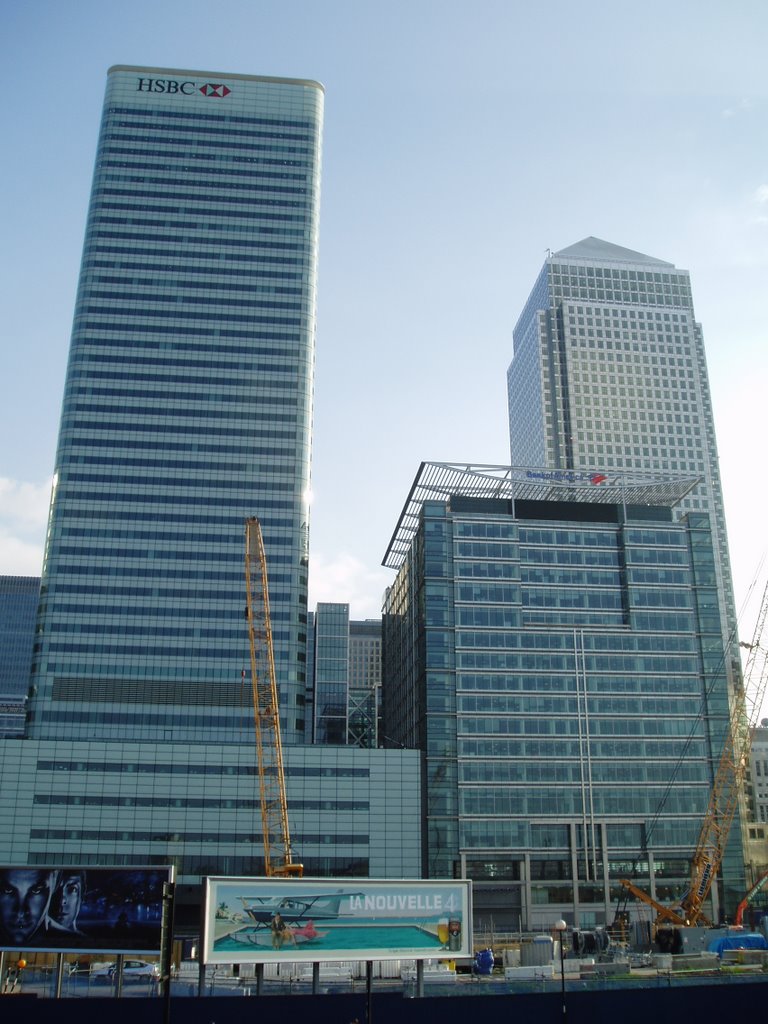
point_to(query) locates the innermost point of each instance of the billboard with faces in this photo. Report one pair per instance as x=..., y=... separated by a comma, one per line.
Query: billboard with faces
x=93, y=910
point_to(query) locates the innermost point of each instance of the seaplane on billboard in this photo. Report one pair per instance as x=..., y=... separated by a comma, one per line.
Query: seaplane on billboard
x=295, y=910
x=298, y=913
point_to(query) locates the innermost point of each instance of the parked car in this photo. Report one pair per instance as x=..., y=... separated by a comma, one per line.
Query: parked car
x=139, y=969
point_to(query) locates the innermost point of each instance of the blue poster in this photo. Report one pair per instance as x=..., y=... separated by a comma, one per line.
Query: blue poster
x=87, y=909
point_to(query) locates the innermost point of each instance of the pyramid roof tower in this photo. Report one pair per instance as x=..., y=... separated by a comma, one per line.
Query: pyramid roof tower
x=592, y=248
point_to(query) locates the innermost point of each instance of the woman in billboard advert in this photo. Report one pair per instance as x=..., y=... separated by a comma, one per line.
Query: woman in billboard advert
x=67, y=900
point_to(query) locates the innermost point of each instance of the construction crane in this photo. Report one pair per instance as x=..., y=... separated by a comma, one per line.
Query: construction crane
x=738, y=917
x=278, y=856
x=726, y=789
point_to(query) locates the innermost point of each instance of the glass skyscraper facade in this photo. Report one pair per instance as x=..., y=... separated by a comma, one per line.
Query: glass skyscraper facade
x=553, y=645
x=187, y=408
x=364, y=682
x=331, y=673
x=344, y=669
x=18, y=609
x=609, y=372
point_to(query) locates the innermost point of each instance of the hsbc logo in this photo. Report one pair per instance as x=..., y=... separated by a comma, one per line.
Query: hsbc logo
x=172, y=87
x=168, y=85
x=219, y=90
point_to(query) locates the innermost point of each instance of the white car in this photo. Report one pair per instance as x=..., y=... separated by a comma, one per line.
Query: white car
x=139, y=969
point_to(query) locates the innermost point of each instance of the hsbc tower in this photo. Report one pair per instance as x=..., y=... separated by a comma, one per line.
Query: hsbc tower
x=187, y=408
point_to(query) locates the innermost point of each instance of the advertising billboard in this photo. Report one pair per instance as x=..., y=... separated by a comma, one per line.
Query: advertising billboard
x=265, y=920
x=93, y=910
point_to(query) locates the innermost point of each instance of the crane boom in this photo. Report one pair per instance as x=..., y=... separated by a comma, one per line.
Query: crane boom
x=278, y=856
x=761, y=882
x=662, y=913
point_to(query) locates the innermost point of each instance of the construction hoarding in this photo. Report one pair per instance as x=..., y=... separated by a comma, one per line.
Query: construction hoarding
x=266, y=920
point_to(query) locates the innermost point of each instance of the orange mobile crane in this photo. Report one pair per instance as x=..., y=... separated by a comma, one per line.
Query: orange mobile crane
x=278, y=856
x=726, y=789
x=738, y=917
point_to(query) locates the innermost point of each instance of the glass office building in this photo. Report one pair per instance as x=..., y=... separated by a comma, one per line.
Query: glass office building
x=609, y=369
x=553, y=645
x=18, y=609
x=364, y=682
x=352, y=812
x=331, y=673
x=344, y=669
x=187, y=408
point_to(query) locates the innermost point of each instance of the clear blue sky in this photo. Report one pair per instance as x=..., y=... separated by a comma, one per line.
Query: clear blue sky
x=461, y=141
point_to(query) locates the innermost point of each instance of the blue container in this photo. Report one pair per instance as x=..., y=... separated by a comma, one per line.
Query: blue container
x=484, y=961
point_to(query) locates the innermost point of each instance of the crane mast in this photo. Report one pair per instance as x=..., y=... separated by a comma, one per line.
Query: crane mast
x=726, y=789
x=278, y=856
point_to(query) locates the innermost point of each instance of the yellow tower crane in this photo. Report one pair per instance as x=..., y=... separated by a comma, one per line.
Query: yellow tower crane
x=278, y=856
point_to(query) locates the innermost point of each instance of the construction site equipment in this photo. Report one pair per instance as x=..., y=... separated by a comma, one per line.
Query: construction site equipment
x=738, y=917
x=278, y=855
x=726, y=790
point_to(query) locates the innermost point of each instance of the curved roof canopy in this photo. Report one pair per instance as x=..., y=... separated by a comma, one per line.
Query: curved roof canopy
x=439, y=481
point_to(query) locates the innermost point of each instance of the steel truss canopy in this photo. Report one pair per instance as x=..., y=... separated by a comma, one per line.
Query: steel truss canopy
x=440, y=481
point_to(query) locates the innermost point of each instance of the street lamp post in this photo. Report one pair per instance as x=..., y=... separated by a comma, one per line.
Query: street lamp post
x=560, y=927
